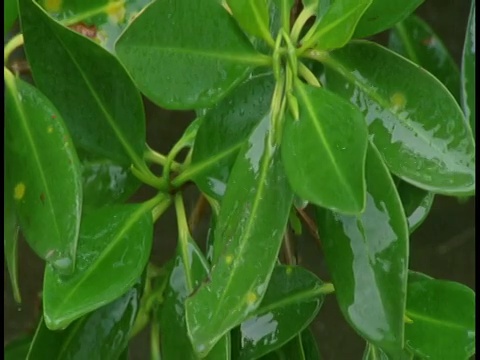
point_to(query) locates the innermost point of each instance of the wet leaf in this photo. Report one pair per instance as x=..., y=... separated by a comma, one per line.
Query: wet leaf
x=102, y=334
x=10, y=230
x=416, y=203
x=293, y=298
x=100, y=104
x=333, y=175
x=248, y=237
x=301, y=347
x=223, y=131
x=337, y=23
x=189, y=271
x=412, y=118
x=106, y=183
x=10, y=14
x=253, y=17
x=17, y=349
x=468, y=70
x=415, y=40
x=381, y=15
x=114, y=247
x=100, y=20
x=192, y=63
x=44, y=174
x=367, y=256
x=443, y=319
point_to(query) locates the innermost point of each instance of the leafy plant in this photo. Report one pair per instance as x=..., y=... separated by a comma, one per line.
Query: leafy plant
x=292, y=110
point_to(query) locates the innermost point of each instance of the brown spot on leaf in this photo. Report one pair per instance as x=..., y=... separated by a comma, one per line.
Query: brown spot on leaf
x=42, y=198
x=85, y=30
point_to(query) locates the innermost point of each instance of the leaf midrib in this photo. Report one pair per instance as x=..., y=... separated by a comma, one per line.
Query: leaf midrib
x=413, y=315
x=134, y=218
x=318, y=127
x=110, y=121
x=34, y=153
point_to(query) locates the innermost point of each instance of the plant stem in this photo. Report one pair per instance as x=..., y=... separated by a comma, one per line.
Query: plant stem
x=155, y=157
x=14, y=43
x=155, y=341
x=303, y=17
x=198, y=212
x=150, y=179
x=161, y=207
x=312, y=227
x=290, y=257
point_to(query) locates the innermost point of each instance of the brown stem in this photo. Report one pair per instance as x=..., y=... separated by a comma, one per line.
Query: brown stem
x=198, y=212
x=289, y=249
x=312, y=227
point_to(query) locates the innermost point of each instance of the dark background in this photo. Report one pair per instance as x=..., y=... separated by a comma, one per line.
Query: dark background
x=443, y=247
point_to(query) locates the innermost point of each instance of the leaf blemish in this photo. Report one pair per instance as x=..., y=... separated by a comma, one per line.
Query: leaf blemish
x=19, y=191
x=251, y=298
x=229, y=259
x=50, y=129
x=42, y=198
x=398, y=101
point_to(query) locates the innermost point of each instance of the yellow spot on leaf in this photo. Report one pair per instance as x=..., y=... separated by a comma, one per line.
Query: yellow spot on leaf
x=229, y=259
x=19, y=191
x=289, y=270
x=398, y=101
x=116, y=11
x=251, y=298
x=50, y=129
x=53, y=5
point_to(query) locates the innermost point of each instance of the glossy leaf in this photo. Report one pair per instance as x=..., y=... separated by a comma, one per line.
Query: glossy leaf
x=468, y=70
x=10, y=14
x=416, y=203
x=102, y=334
x=100, y=20
x=373, y=352
x=248, y=237
x=114, y=247
x=253, y=17
x=10, y=230
x=301, y=347
x=412, y=118
x=191, y=62
x=415, y=40
x=98, y=100
x=224, y=130
x=324, y=150
x=106, y=183
x=382, y=15
x=189, y=271
x=293, y=298
x=367, y=256
x=442, y=317
x=336, y=25
x=44, y=176
x=17, y=349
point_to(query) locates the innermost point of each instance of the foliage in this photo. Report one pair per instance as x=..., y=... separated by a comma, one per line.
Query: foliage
x=293, y=108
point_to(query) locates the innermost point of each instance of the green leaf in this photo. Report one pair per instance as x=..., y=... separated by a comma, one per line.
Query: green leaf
x=373, y=352
x=248, y=237
x=468, y=70
x=189, y=271
x=106, y=183
x=301, y=347
x=252, y=16
x=336, y=25
x=192, y=62
x=223, y=131
x=99, y=102
x=114, y=247
x=10, y=230
x=101, y=20
x=10, y=14
x=367, y=256
x=416, y=203
x=382, y=15
x=412, y=118
x=443, y=319
x=103, y=334
x=293, y=298
x=332, y=176
x=17, y=349
x=44, y=176
x=415, y=40
x=280, y=15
